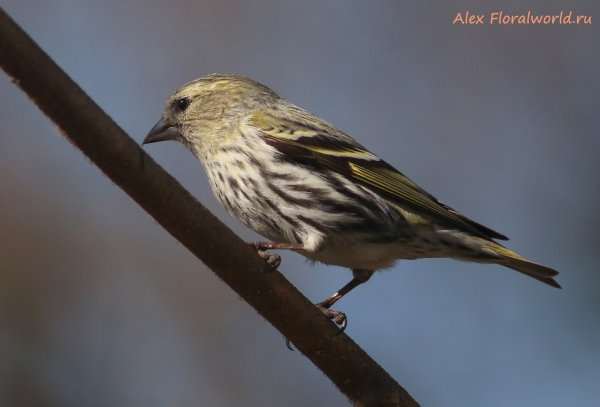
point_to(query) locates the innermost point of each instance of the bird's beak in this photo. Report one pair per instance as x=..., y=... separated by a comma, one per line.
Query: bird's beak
x=162, y=131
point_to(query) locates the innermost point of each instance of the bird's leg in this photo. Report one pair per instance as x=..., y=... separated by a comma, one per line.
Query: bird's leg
x=273, y=259
x=360, y=276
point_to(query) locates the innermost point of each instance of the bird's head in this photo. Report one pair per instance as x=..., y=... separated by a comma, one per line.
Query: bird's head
x=202, y=113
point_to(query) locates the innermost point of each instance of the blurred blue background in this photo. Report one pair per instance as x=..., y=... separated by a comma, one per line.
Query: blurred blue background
x=99, y=306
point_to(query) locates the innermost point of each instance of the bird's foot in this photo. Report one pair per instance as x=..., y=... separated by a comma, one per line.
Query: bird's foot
x=336, y=316
x=274, y=260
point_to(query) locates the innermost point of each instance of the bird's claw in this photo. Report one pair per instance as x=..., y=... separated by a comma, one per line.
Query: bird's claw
x=274, y=260
x=336, y=316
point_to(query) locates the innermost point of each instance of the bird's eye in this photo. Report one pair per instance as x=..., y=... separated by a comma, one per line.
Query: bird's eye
x=182, y=104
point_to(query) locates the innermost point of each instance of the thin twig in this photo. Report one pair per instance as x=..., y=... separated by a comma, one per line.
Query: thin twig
x=89, y=129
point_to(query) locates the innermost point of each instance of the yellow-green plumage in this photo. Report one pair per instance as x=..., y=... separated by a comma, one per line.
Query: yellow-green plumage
x=296, y=179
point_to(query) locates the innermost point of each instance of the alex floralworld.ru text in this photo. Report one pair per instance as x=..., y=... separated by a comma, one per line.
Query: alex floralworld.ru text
x=501, y=19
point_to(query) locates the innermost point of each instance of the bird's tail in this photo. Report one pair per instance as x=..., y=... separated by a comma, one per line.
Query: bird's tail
x=522, y=265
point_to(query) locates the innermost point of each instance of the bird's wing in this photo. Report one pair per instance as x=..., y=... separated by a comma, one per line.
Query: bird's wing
x=311, y=141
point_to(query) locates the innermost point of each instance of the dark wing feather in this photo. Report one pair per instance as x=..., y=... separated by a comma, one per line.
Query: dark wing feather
x=311, y=145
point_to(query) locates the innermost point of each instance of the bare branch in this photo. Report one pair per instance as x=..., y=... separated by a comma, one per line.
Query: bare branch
x=360, y=378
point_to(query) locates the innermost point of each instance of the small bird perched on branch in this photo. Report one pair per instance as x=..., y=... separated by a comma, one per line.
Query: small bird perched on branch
x=305, y=185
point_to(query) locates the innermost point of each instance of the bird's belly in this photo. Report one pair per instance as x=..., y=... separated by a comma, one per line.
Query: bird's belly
x=375, y=256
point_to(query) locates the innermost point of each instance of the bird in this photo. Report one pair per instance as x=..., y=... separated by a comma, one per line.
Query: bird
x=308, y=187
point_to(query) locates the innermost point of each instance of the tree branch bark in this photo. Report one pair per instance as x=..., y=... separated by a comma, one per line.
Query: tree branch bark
x=92, y=131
